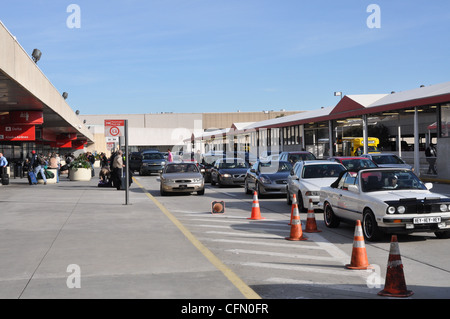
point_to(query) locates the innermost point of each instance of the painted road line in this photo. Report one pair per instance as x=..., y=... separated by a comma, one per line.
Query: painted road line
x=275, y=254
x=232, y=277
x=253, y=235
x=305, y=269
x=327, y=285
x=279, y=245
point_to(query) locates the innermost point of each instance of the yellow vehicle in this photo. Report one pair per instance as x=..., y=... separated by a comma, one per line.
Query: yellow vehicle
x=350, y=145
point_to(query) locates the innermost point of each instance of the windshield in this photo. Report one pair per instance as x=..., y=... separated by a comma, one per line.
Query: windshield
x=274, y=167
x=322, y=170
x=387, y=159
x=388, y=180
x=293, y=158
x=181, y=168
x=152, y=156
x=236, y=164
x=358, y=163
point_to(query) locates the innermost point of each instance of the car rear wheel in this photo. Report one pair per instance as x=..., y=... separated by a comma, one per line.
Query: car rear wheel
x=247, y=190
x=330, y=219
x=370, y=227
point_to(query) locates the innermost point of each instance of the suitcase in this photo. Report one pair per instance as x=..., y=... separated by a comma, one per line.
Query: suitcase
x=32, y=178
x=5, y=179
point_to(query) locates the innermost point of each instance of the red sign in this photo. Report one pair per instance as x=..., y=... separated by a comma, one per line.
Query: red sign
x=17, y=133
x=114, y=128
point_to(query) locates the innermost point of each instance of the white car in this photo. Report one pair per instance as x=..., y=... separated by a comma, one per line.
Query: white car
x=307, y=178
x=386, y=200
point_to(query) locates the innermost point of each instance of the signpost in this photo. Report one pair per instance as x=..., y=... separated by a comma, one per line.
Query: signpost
x=114, y=129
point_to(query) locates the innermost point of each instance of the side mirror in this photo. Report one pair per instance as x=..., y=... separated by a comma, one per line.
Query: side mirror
x=353, y=188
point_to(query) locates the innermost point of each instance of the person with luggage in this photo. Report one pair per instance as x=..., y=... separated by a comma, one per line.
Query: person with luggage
x=3, y=171
x=37, y=165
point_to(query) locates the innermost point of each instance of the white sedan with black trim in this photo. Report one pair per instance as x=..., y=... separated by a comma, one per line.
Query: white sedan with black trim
x=387, y=201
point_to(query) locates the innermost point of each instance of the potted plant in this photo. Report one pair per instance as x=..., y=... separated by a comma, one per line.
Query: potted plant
x=80, y=169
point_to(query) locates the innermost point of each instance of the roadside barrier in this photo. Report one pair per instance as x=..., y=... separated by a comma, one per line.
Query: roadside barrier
x=395, y=285
x=218, y=207
x=256, y=212
x=311, y=225
x=359, y=255
x=296, y=228
x=294, y=201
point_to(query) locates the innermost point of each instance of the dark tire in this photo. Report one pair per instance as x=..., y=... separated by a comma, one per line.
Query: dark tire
x=370, y=227
x=288, y=198
x=330, y=219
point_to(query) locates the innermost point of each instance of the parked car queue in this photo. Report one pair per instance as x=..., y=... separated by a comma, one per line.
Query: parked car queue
x=387, y=199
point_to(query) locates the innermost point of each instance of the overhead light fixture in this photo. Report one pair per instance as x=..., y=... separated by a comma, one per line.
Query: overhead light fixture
x=36, y=55
x=65, y=95
x=337, y=93
x=77, y=112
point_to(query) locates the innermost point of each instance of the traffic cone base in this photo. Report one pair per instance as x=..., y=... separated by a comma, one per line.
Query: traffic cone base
x=359, y=255
x=311, y=225
x=296, y=228
x=395, y=285
x=256, y=212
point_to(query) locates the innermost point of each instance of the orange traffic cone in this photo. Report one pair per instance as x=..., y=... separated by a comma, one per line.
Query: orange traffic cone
x=395, y=285
x=256, y=212
x=359, y=255
x=296, y=228
x=311, y=226
x=294, y=202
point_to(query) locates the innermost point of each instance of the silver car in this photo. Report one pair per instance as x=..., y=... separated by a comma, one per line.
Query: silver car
x=387, y=160
x=307, y=179
x=181, y=178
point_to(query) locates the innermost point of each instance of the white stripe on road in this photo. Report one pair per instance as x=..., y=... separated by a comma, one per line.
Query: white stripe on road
x=304, y=245
x=273, y=254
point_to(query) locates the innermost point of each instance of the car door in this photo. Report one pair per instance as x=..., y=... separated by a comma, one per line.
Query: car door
x=348, y=200
x=293, y=180
x=215, y=171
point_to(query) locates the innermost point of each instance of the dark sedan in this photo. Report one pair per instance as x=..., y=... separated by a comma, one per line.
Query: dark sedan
x=152, y=162
x=229, y=171
x=267, y=177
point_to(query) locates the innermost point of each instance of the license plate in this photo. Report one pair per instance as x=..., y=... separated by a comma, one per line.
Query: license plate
x=427, y=220
x=183, y=186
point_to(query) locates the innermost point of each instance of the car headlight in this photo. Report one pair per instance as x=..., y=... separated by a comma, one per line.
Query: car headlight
x=443, y=207
x=312, y=193
x=391, y=210
x=401, y=209
x=197, y=180
x=265, y=180
x=163, y=163
x=226, y=175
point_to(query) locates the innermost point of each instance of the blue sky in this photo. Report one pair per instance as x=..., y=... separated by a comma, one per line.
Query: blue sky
x=151, y=56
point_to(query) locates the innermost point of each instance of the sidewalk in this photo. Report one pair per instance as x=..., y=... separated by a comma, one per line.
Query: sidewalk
x=120, y=251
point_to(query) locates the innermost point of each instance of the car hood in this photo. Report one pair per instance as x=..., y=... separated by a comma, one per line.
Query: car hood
x=154, y=161
x=182, y=175
x=317, y=183
x=233, y=170
x=278, y=175
x=392, y=195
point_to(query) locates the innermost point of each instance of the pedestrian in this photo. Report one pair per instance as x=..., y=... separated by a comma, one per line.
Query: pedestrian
x=169, y=155
x=117, y=166
x=431, y=155
x=37, y=164
x=91, y=159
x=358, y=152
x=3, y=164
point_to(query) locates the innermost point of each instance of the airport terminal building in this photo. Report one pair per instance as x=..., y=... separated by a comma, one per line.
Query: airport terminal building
x=34, y=115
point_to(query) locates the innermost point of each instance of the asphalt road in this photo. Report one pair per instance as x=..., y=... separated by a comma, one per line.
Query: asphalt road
x=258, y=253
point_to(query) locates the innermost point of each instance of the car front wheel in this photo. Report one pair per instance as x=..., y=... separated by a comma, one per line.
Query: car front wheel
x=370, y=226
x=330, y=219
